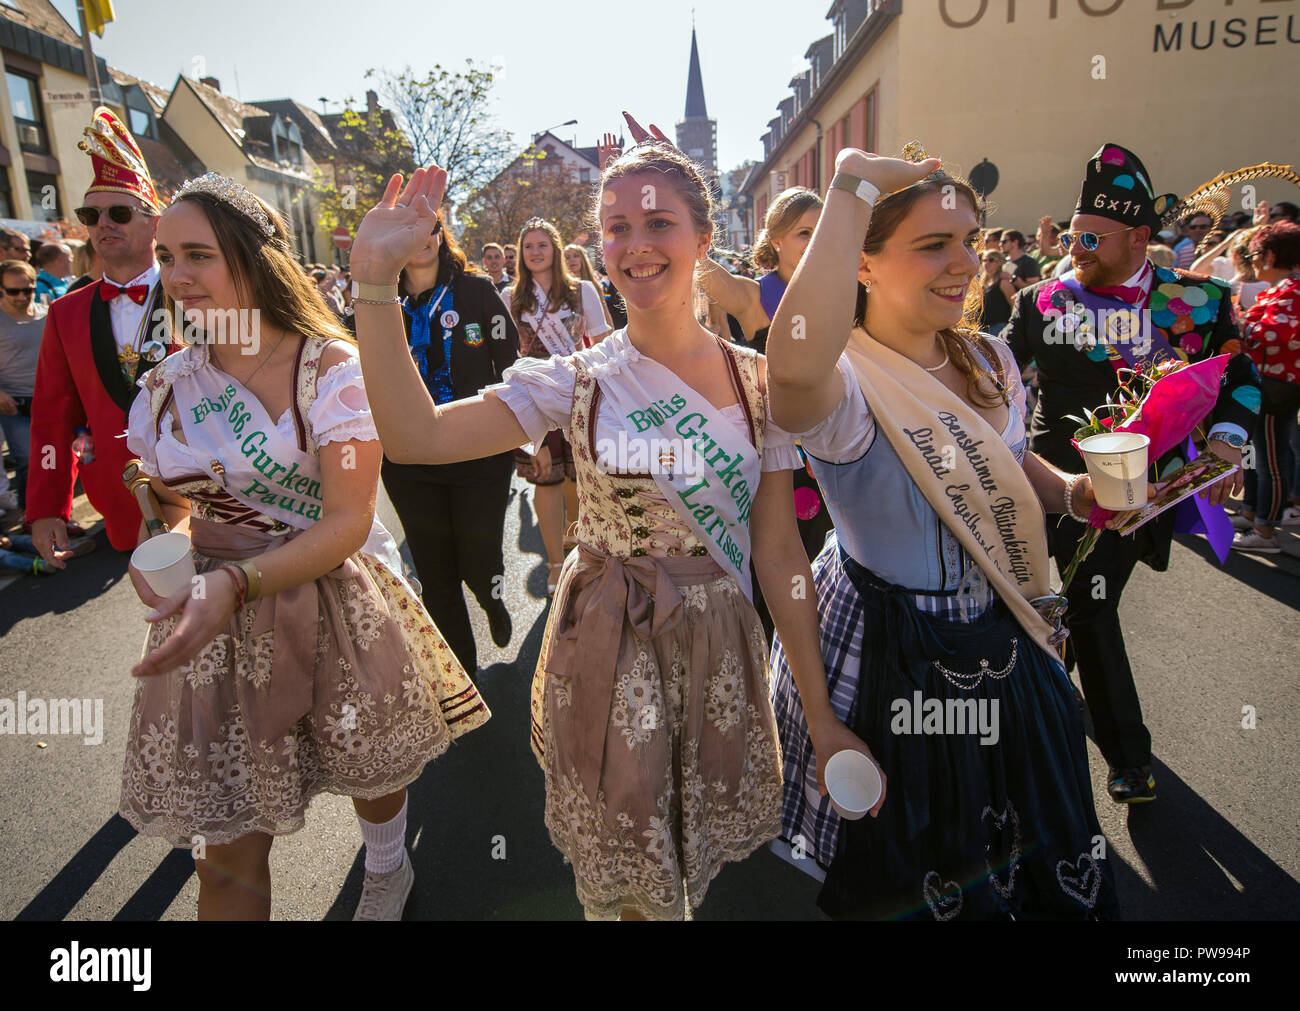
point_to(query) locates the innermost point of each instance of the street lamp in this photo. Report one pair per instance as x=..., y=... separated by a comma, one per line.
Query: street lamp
x=571, y=122
x=323, y=100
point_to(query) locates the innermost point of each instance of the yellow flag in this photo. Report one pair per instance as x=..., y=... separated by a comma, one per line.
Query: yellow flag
x=98, y=13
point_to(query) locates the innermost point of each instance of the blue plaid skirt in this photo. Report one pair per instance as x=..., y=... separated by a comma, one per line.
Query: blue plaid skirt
x=1000, y=829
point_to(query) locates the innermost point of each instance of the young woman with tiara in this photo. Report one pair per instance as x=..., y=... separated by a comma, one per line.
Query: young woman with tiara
x=305, y=664
x=556, y=314
x=651, y=712
x=933, y=590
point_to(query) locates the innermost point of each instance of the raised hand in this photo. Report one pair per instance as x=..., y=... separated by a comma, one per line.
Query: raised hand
x=607, y=150
x=398, y=226
x=887, y=174
x=640, y=134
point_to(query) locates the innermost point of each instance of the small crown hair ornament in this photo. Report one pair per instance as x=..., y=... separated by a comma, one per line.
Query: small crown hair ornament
x=230, y=192
x=914, y=152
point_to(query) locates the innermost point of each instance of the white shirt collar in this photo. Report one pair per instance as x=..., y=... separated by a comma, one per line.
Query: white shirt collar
x=1146, y=280
x=149, y=278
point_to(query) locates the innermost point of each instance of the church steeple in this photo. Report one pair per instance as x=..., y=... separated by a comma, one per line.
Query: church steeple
x=695, y=85
x=697, y=135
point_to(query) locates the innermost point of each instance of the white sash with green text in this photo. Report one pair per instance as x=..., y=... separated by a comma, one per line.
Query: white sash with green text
x=707, y=471
x=252, y=461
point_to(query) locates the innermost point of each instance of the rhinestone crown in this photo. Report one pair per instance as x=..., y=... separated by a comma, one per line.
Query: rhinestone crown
x=230, y=192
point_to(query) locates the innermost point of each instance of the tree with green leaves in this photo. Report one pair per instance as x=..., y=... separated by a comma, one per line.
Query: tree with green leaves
x=446, y=117
x=371, y=148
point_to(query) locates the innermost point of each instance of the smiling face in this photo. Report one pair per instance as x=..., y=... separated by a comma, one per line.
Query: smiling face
x=538, y=251
x=22, y=282
x=127, y=250
x=650, y=252
x=921, y=275
x=191, y=264
x=1118, y=255
x=573, y=261
x=493, y=260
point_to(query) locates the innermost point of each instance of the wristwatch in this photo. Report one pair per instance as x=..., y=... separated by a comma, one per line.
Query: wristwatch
x=1230, y=438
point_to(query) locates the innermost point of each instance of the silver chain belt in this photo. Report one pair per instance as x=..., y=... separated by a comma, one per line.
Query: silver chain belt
x=968, y=682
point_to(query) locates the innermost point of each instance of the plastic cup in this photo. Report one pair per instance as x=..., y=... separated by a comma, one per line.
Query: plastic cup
x=853, y=782
x=1117, y=464
x=165, y=562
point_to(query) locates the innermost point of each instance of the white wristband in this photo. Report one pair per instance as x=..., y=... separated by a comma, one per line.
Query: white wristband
x=863, y=189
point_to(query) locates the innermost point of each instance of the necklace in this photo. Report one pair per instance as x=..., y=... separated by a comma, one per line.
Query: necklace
x=246, y=379
x=941, y=364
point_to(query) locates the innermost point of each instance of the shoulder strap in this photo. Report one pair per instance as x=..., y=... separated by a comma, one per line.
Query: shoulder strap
x=744, y=376
x=305, y=370
x=992, y=358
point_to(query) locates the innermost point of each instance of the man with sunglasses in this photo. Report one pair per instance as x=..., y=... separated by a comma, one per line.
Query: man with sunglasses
x=1195, y=228
x=1116, y=216
x=98, y=341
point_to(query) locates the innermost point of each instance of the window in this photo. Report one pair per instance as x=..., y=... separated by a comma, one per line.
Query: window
x=584, y=175
x=869, y=121
x=43, y=191
x=24, y=99
x=140, y=124
x=6, y=202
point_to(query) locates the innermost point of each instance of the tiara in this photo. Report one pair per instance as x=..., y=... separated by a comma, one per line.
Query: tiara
x=230, y=192
x=535, y=223
x=914, y=151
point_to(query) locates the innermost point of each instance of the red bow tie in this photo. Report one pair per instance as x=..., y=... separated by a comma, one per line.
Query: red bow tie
x=137, y=293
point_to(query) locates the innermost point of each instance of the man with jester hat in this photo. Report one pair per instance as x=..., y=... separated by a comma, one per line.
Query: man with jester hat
x=98, y=341
x=1081, y=330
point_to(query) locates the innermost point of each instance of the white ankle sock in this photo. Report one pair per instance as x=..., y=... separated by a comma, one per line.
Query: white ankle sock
x=385, y=843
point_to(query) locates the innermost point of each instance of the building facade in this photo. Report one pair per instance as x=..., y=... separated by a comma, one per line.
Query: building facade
x=1196, y=87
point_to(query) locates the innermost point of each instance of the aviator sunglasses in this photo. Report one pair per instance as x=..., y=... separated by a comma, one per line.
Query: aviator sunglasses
x=1089, y=240
x=15, y=292
x=119, y=214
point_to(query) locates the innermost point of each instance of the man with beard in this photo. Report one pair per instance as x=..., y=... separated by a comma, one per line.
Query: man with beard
x=1116, y=216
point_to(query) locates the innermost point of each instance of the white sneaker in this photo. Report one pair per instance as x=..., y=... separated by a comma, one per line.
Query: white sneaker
x=1253, y=540
x=383, y=896
x=8, y=500
x=1240, y=522
x=1290, y=517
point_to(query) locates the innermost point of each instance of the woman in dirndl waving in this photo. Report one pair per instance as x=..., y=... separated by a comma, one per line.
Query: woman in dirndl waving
x=306, y=664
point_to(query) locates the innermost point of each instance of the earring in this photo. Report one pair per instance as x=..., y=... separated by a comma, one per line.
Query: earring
x=866, y=286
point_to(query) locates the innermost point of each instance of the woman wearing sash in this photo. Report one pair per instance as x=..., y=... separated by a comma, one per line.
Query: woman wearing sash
x=306, y=664
x=556, y=314
x=651, y=712
x=937, y=664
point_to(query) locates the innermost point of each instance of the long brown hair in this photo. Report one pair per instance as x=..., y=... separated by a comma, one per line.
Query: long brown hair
x=959, y=340
x=266, y=276
x=565, y=289
x=588, y=272
x=783, y=215
x=452, y=261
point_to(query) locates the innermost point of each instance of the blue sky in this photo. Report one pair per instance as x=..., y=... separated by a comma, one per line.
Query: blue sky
x=557, y=66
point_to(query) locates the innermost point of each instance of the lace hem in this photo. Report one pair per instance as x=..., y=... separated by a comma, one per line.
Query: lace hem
x=359, y=429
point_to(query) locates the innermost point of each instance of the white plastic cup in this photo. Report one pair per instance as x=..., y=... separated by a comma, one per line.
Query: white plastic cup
x=1117, y=464
x=854, y=783
x=165, y=562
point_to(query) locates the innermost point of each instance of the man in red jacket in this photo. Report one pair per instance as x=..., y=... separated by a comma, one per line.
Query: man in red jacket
x=98, y=341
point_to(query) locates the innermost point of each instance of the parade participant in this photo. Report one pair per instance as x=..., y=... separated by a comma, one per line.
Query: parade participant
x=787, y=227
x=494, y=263
x=511, y=258
x=650, y=707
x=579, y=266
x=306, y=664
x=556, y=314
x=1116, y=215
x=1271, y=328
x=462, y=339
x=927, y=592
x=97, y=342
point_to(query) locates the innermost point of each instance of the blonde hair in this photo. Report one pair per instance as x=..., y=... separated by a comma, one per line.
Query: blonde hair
x=781, y=217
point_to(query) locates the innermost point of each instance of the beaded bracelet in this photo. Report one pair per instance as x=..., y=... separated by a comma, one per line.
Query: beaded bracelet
x=1069, y=497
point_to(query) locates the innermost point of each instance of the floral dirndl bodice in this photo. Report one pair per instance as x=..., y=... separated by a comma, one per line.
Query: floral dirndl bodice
x=627, y=514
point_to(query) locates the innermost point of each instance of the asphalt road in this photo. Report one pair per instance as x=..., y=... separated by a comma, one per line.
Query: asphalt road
x=1220, y=843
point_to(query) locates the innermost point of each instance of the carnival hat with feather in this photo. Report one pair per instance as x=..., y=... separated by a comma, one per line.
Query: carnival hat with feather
x=1215, y=197
x=119, y=165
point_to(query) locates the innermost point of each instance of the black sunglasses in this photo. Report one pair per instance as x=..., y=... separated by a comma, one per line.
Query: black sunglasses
x=119, y=214
x=15, y=292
